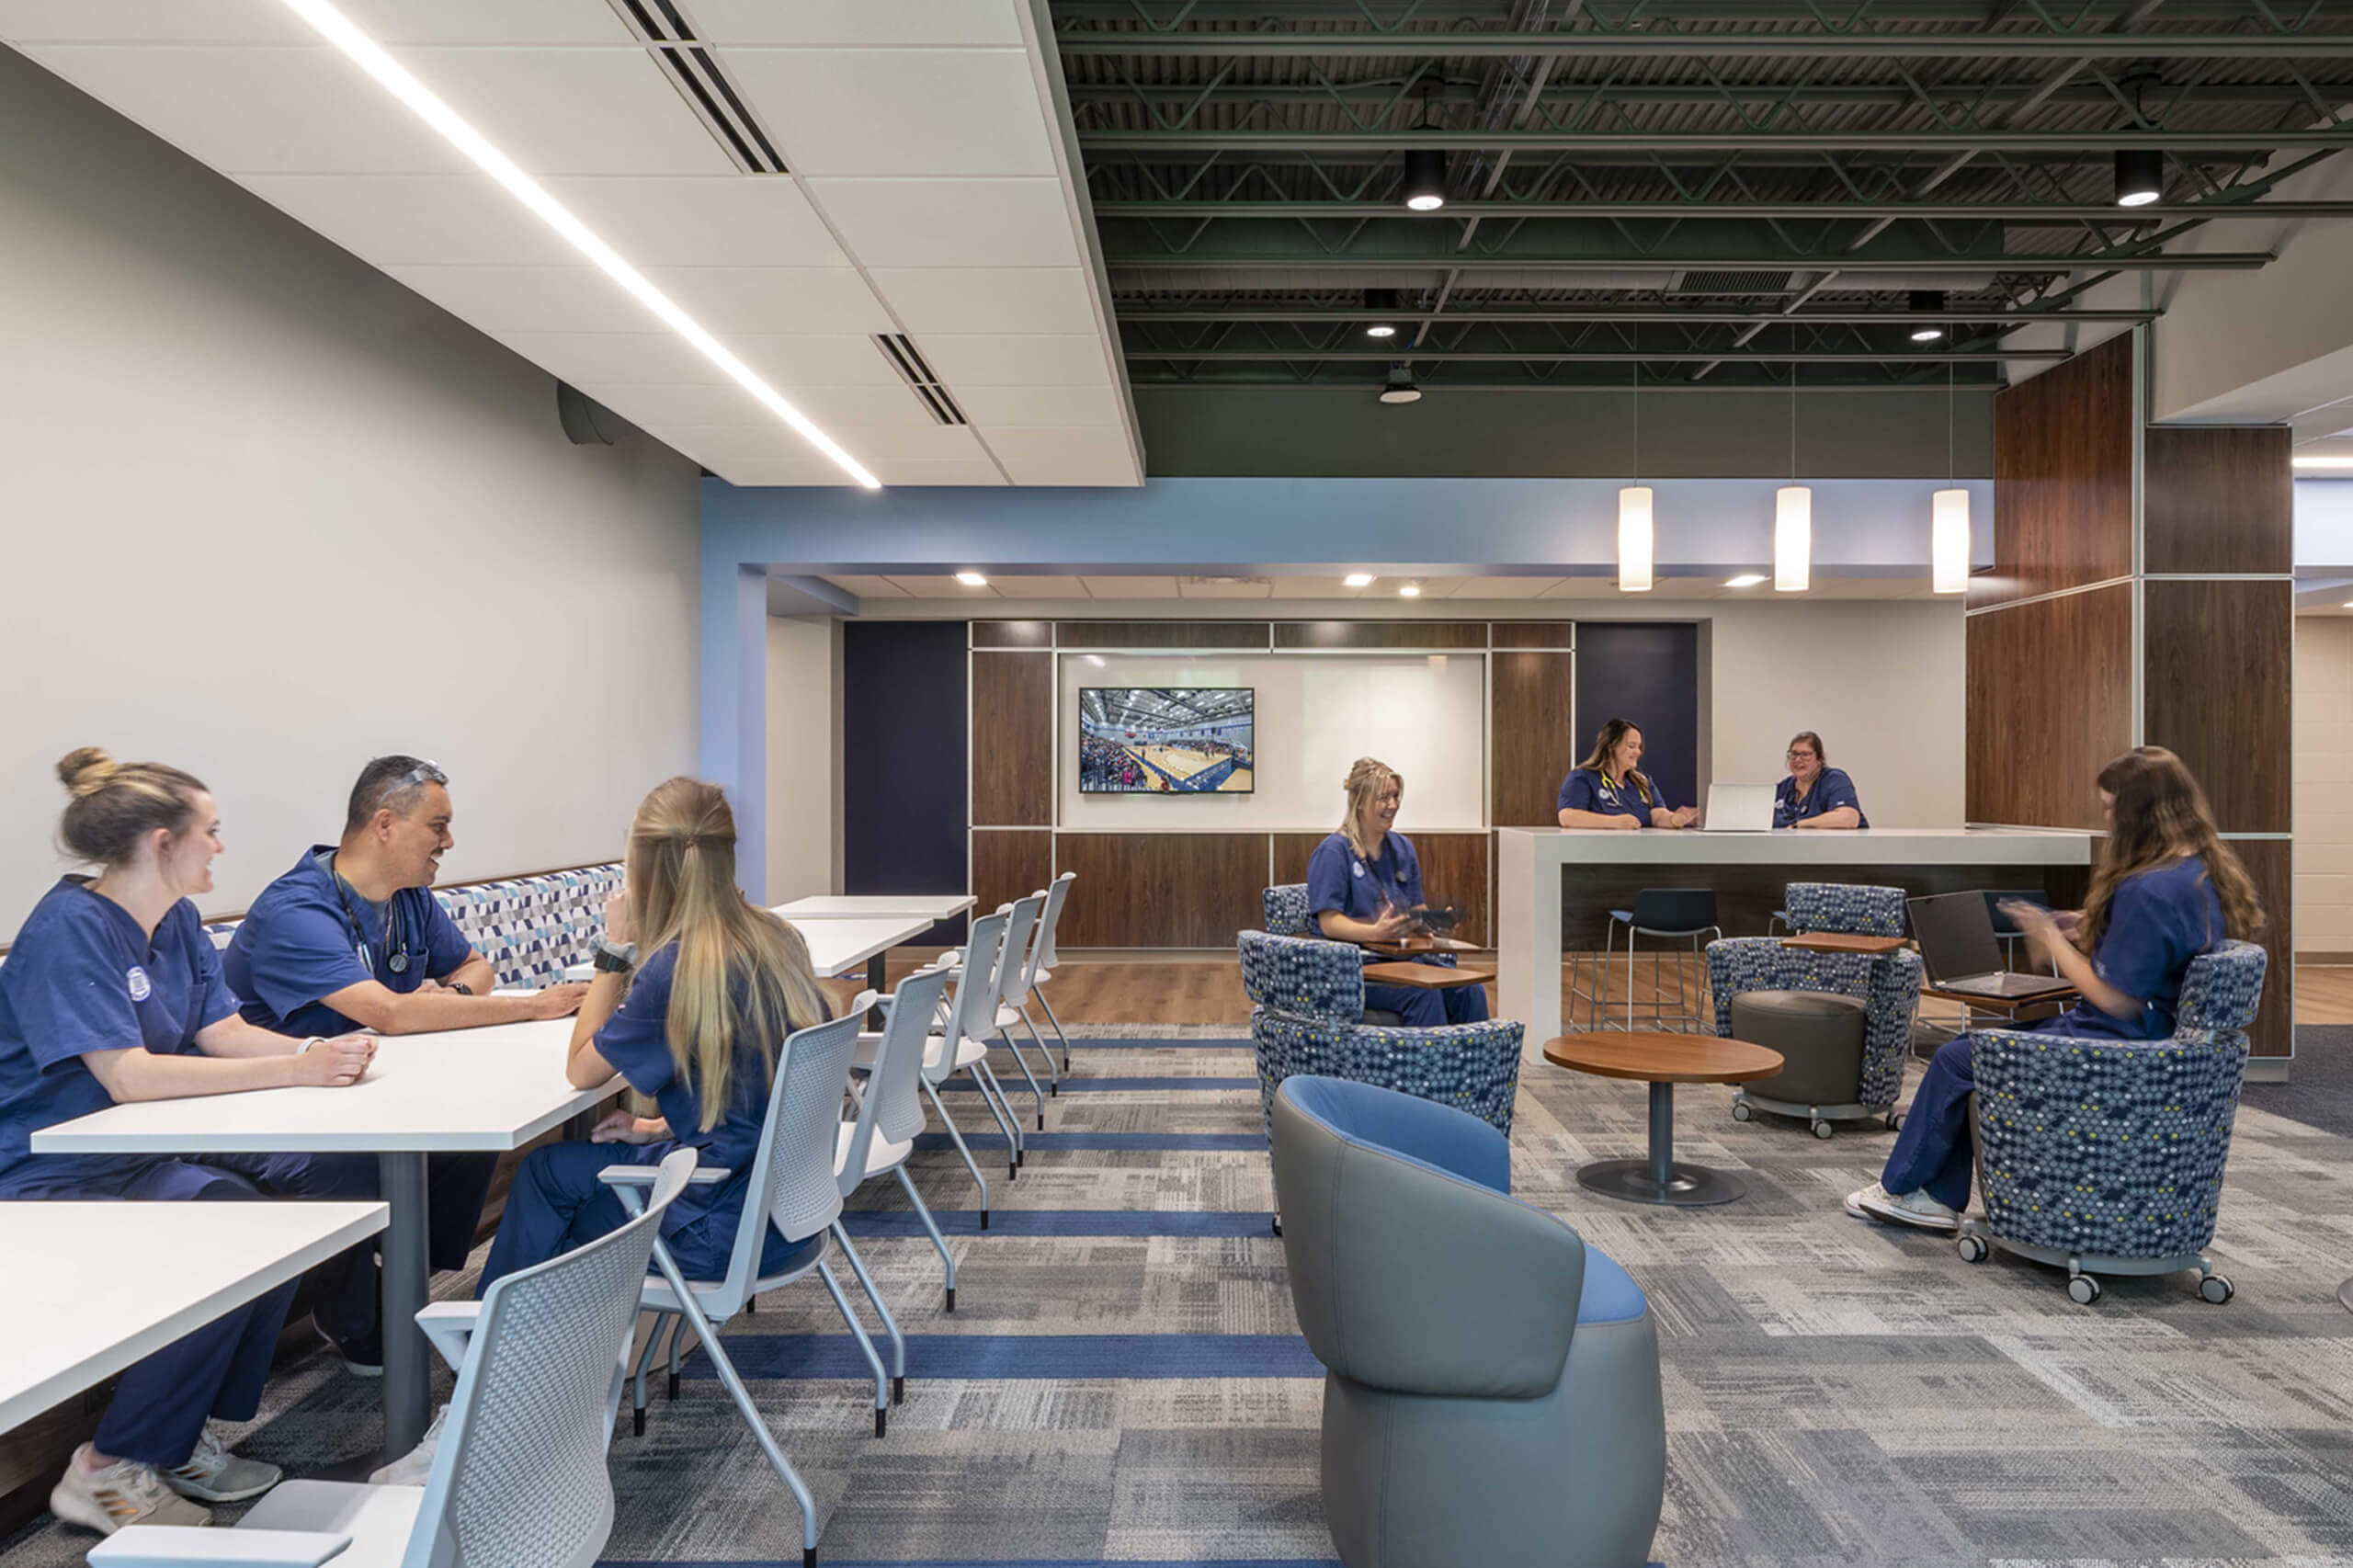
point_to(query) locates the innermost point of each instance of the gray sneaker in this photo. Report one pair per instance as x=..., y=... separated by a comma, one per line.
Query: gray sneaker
x=213, y=1474
x=1915, y=1208
x=124, y=1493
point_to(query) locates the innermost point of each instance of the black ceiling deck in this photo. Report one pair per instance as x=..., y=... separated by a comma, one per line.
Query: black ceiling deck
x=1740, y=191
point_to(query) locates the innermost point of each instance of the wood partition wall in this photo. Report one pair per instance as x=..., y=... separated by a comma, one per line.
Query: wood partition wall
x=2143, y=593
x=1196, y=889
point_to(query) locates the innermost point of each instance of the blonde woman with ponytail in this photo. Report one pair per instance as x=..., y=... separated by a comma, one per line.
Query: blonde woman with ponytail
x=1364, y=883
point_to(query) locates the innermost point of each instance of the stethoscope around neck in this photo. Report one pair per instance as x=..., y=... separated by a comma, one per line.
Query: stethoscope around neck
x=395, y=931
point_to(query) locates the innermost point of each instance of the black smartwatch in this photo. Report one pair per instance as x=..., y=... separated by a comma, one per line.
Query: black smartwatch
x=610, y=959
x=460, y=987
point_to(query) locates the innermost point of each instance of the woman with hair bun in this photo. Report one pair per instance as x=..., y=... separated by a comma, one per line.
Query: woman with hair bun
x=113, y=993
x=1364, y=882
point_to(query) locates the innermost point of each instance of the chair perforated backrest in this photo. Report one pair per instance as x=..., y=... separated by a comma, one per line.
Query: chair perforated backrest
x=520, y=1480
x=1677, y=912
x=893, y=1104
x=1050, y=923
x=1013, y=964
x=792, y=1175
x=972, y=1009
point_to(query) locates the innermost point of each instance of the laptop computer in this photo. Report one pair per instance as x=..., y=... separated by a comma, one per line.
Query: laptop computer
x=1956, y=935
x=1738, y=808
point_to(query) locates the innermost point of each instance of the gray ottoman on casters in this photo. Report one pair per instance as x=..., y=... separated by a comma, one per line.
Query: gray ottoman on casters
x=1820, y=1035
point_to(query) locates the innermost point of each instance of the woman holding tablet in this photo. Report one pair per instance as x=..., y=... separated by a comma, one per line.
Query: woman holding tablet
x=1609, y=788
x=113, y=993
x=1364, y=882
x=2166, y=889
x=1816, y=794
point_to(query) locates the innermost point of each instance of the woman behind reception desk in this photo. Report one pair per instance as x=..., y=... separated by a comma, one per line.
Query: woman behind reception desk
x=1364, y=883
x=1815, y=795
x=1610, y=789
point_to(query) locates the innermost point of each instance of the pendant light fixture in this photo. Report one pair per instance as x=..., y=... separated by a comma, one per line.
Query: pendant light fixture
x=1792, y=510
x=2139, y=175
x=1384, y=303
x=1424, y=186
x=1949, y=515
x=1400, y=387
x=1928, y=301
x=1634, y=537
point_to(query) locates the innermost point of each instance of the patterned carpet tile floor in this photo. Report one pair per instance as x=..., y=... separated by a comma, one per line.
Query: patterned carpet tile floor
x=1122, y=1380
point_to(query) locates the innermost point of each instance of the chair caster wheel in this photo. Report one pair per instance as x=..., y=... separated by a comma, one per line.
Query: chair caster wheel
x=637, y=1423
x=1279, y=1224
x=2083, y=1290
x=1895, y=1122
x=1972, y=1249
x=1741, y=1111
x=1823, y=1129
x=674, y=1385
x=898, y=1390
x=882, y=1422
x=2216, y=1289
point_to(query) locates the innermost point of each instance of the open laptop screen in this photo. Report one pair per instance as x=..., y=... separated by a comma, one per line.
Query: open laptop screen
x=1956, y=935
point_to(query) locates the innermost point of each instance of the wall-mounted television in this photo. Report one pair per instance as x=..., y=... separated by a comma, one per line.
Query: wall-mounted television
x=1166, y=740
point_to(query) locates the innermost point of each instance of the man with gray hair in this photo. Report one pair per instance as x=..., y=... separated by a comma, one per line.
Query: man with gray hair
x=352, y=937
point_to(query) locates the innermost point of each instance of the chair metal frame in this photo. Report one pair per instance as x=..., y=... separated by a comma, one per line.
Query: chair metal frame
x=890, y=1108
x=1690, y=1022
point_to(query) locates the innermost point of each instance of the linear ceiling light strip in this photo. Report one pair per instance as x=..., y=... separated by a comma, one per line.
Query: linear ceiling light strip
x=333, y=25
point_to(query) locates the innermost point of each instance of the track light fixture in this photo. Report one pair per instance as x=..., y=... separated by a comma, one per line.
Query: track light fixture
x=1930, y=301
x=1385, y=301
x=2139, y=175
x=1401, y=387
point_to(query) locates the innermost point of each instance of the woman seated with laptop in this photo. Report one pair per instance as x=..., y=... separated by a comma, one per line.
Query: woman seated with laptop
x=2166, y=889
x=1816, y=794
x=1610, y=789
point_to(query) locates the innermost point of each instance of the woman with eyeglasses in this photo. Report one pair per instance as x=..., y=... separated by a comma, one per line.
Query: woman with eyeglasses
x=112, y=993
x=1816, y=794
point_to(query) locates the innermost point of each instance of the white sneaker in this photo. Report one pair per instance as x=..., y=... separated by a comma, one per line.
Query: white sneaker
x=213, y=1474
x=124, y=1493
x=1916, y=1208
x=412, y=1468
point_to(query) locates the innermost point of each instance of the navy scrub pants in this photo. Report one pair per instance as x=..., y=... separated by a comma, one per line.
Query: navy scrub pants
x=1932, y=1151
x=1429, y=1009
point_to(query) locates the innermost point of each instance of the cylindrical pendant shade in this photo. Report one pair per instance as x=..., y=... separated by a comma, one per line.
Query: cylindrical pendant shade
x=1793, y=539
x=1635, y=539
x=1949, y=540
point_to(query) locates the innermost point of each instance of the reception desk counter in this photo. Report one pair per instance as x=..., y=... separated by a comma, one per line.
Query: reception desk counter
x=1555, y=887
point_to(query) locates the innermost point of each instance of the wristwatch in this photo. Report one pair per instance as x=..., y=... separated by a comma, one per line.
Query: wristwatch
x=615, y=958
x=460, y=987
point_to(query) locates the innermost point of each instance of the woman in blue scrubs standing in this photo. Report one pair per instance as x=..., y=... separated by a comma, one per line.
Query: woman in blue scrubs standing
x=2166, y=889
x=1364, y=883
x=1816, y=794
x=1610, y=789
x=113, y=993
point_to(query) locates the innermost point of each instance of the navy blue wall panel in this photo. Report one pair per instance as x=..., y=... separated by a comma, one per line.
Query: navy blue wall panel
x=1647, y=671
x=904, y=751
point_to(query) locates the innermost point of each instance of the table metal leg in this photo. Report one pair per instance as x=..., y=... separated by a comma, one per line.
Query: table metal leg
x=1656, y=1178
x=407, y=1375
x=1662, y=1135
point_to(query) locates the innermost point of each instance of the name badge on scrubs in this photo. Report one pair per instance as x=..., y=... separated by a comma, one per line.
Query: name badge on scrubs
x=1356, y=869
x=141, y=988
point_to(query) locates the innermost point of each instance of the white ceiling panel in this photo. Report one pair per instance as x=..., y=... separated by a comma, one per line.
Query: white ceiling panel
x=1060, y=406
x=519, y=299
x=1131, y=587
x=948, y=588
x=569, y=111
x=1197, y=588
x=905, y=472
x=794, y=359
x=265, y=21
x=651, y=407
x=729, y=300
x=1315, y=588
x=899, y=111
x=979, y=300
x=1094, y=454
x=899, y=22
x=742, y=221
x=1436, y=587
x=417, y=220
x=1503, y=587
x=883, y=444
x=1040, y=588
x=1064, y=360
x=975, y=222
x=591, y=359
x=869, y=587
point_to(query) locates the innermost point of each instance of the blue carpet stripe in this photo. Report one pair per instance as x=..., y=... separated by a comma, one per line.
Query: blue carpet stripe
x=1026, y=1357
x=1170, y=1043
x=1210, y=1223
x=1107, y=1141
x=962, y=1084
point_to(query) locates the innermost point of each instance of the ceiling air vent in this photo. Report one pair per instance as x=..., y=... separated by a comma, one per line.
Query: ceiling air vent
x=697, y=76
x=900, y=350
x=1732, y=283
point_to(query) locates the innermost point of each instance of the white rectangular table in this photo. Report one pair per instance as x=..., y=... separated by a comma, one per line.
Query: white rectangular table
x=106, y=1284
x=488, y=1090
x=855, y=906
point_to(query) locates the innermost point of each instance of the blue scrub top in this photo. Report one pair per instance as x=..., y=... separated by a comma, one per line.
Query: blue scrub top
x=83, y=977
x=1338, y=880
x=298, y=944
x=1832, y=789
x=636, y=1041
x=1586, y=790
x=2157, y=921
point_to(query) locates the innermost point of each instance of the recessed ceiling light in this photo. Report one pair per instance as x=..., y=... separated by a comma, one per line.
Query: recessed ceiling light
x=2322, y=462
x=1410, y=591
x=363, y=51
x=1746, y=580
x=1358, y=579
x=971, y=579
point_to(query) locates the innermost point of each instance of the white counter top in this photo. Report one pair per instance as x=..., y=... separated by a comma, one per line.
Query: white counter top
x=1800, y=847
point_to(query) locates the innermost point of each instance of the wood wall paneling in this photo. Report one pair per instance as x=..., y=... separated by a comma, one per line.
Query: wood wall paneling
x=1443, y=634
x=1531, y=744
x=2217, y=498
x=1013, y=634
x=1013, y=740
x=1559, y=635
x=2271, y=862
x=1454, y=870
x=1746, y=896
x=2062, y=478
x=1162, y=634
x=1009, y=865
x=1161, y=890
x=2216, y=676
x=2050, y=700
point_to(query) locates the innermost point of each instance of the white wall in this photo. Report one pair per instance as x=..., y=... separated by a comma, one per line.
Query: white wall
x=1423, y=714
x=805, y=757
x=2323, y=752
x=269, y=514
